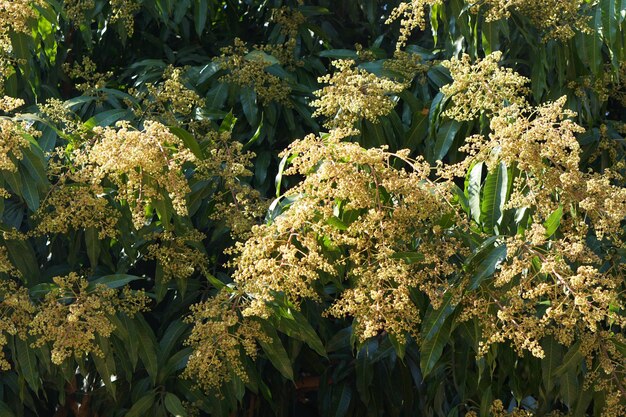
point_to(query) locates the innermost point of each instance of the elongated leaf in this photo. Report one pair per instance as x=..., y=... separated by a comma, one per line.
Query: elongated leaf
x=569, y=388
x=494, y=197
x=27, y=363
x=434, y=319
x=343, y=398
x=174, y=406
x=275, y=352
x=105, y=365
x=409, y=257
x=488, y=265
x=147, y=348
x=190, y=142
x=431, y=350
x=200, y=15
x=445, y=137
x=472, y=190
x=141, y=407
x=572, y=358
x=553, y=221
x=115, y=280
x=549, y=363
x=93, y=246
x=29, y=191
x=106, y=118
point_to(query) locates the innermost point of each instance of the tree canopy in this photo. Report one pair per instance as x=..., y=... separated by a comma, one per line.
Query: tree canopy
x=312, y=208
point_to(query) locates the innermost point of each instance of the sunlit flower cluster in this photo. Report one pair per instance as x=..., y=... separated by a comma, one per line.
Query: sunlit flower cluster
x=236, y=202
x=16, y=312
x=178, y=256
x=143, y=165
x=357, y=221
x=483, y=87
x=221, y=339
x=353, y=94
x=248, y=69
x=412, y=14
x=169, y=99
x=73, y=313
x=558, y=19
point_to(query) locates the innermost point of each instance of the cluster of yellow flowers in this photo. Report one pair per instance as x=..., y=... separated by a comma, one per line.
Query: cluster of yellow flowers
x=408, y=65
x=411, y=15
x=76, y=10
x=87, y=71
x=581, y=289
x=238, y=204
x=169, y=99
x=357, y=221
x=248, y=69
x=178, y=256
x=219, y=337
x=142, y=164
x=14, y=16
x=558, y=19
x=123, y=11
x=483, y=87
x=71, y=315
x=12, y=143
x=353, y=94
x=16, y=310
x=76, y=206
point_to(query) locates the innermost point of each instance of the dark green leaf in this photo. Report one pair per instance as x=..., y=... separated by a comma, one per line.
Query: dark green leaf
x=174, y=406
x=275, y=351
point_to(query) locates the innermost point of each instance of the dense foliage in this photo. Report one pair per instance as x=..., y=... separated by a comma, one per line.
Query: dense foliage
x=312, y=207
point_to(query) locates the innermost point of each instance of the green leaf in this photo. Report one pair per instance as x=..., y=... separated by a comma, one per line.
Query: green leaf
x=295, y=325
x=93, y=246
x=343, y=400
x=29, y=191
x=141, y=407
x=190, y=142
x=553, y=221
x=216, y=96
x=609, y=23
x=552, y=352
x=23, y=256
x=494, y=197
x=572, y=359
x=275, y=351
x=249, y=104
x=147, y=348
x=260, y=56
x=431, y=350
x=174, y=406
x=589, y=48
x=200, y=15
x=105, y=365
x=339, y=54
x=114, y=281
x=337, y=223
x=106, y=118
x=445, y=137
x=170, y=338
x=569, y=388
x=27, y=364
x=472, y=190
x=488, y=265
x=132, y=342
x=409, y=257
x=5, y=411
x=434, y=319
